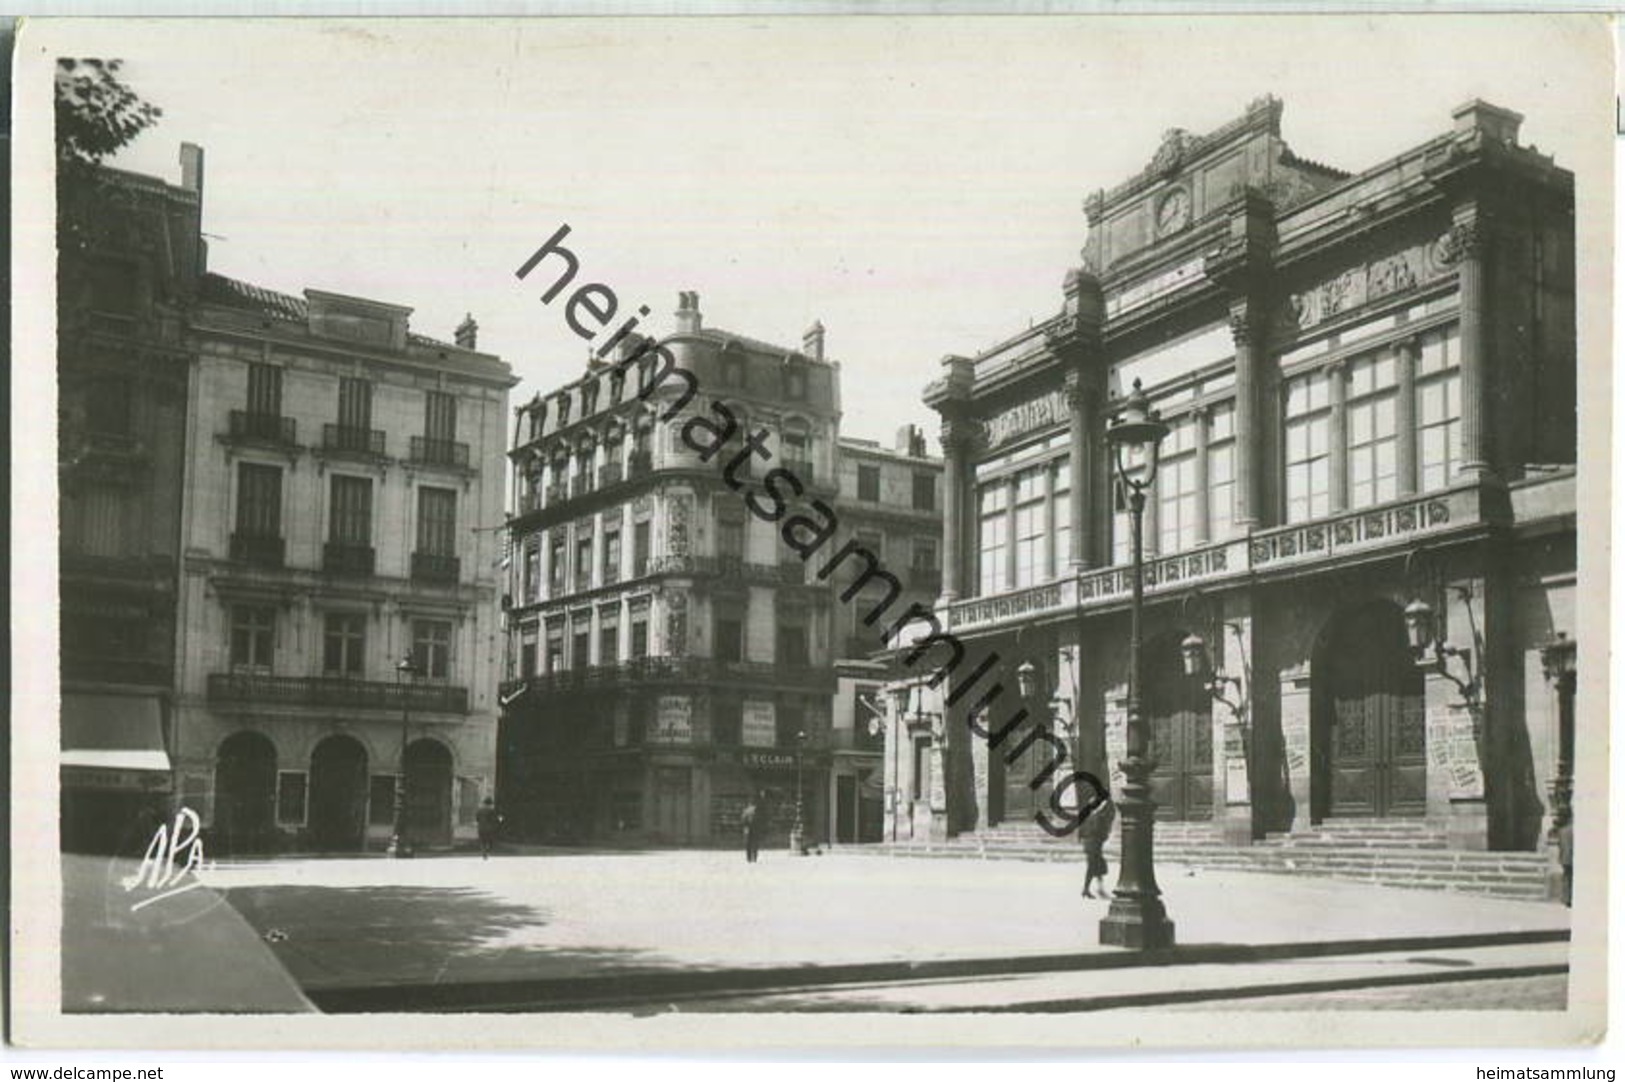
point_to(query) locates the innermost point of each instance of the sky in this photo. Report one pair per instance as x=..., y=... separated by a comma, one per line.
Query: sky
x=915, y=184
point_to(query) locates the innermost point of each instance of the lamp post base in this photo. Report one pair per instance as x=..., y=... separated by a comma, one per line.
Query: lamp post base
x=398, y=847
x=1136, y=923
x=798, y=843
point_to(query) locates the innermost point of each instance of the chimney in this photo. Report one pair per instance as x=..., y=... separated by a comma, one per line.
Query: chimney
x=905, y=440
x=1497, y=123
x=688, y=313
x=812, y=342
x=192, y=168
x=467, y=332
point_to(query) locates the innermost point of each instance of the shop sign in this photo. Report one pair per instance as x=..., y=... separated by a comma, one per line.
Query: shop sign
x=759, y=727
x=767, y=760
x=92, y=777
x=1041, y=412
x=674, y=721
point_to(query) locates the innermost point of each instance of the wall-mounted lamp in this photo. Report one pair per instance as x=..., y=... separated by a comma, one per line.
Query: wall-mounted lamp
x=1433, y=653
x=1193, y=652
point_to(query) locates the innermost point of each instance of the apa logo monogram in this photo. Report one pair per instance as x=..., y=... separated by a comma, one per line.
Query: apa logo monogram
x=171, y=863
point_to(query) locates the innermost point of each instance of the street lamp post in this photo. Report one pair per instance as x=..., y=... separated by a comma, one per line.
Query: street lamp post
x=798, y=841
x=399, y=846
x=1136, y=918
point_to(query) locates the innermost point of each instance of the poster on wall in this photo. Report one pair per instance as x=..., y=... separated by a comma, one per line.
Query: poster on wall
x=674, y=721
x=759, y=727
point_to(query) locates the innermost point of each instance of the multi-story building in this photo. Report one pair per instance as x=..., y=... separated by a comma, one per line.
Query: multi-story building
x=670, y=656
x=340, y=585
x=891, y=501
x=130, y=258
x=1363, y=514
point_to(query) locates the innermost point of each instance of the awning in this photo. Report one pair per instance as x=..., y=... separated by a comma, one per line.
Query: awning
x=113, y=742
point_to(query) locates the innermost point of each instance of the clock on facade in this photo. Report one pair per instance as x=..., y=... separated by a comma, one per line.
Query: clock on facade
x=1174, y=212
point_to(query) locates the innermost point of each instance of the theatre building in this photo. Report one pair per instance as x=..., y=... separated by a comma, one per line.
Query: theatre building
x=1361, y=527
x=669, y=656
x=340, y=584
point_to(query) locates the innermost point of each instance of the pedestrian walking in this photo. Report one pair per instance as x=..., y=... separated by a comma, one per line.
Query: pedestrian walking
x=488, y=820
x=751, y=822
x=1094, y=831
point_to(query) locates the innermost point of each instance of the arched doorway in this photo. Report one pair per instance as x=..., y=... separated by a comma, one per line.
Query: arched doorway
x=1180, y=713
x=428, y=793
x=338, y=794
x=245, y=793
x=1368, y=728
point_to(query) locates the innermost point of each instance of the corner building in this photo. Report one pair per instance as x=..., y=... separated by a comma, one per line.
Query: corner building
x=666, y=648
x=344, y=499
x=1370, y=385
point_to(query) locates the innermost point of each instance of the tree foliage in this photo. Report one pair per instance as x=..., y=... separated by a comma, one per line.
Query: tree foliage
x=96, y=112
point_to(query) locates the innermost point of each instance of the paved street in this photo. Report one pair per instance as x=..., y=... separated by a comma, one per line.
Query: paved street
x=442, y=921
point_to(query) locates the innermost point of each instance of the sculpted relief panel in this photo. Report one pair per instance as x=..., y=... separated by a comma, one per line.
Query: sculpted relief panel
x=1359, y=286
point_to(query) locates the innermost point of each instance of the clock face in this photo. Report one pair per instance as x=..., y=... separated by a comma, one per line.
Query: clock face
x=1174, y=212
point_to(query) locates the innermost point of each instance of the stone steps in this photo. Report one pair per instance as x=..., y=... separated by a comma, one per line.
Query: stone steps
x=1507, y=875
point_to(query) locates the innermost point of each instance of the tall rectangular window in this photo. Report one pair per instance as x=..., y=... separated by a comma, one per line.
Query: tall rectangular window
x=1061, y=534
x=581, y=642
x=731, y=538
x=1373, y=452
x=1221, y=471
x=437, y=521
x=431, y=647
x=1438, y=410
x=533, y=569
x=612, y=556
x=1176, y=487
x=355, y=404
x=344, y=644
x=730, y=638
x=640, y=636
x=994, y=537
x=527, y=651
x=869, y=483
x=1308, y=450
x=583, y=561
x=101, y=520
x=925, y=492
x=555, y=646
x=351, y=519
x=264, y=389
x=640, y=548
x=556, y=570
x=793, y=646
x=439, y=416
x=609, y=638
x=253, y=637
x=259, y=500
x=1032, y=526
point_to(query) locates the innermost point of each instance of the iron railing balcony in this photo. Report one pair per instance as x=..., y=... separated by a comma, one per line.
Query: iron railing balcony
x=432, y=567
x=265, y=427
x=328, y=691
x=356, y=441
x=348, y=558
x=433, y=452
x=262, y=550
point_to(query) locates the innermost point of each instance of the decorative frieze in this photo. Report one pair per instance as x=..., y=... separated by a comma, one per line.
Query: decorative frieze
x=1361, y=529
x=1358, y=286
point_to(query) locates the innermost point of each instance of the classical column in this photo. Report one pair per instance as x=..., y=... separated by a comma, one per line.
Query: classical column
x=1337, y=437
x=1470, y=241
x=957, y=439
x=1248, y=436
x=1405, y=415
x=1080, y=401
